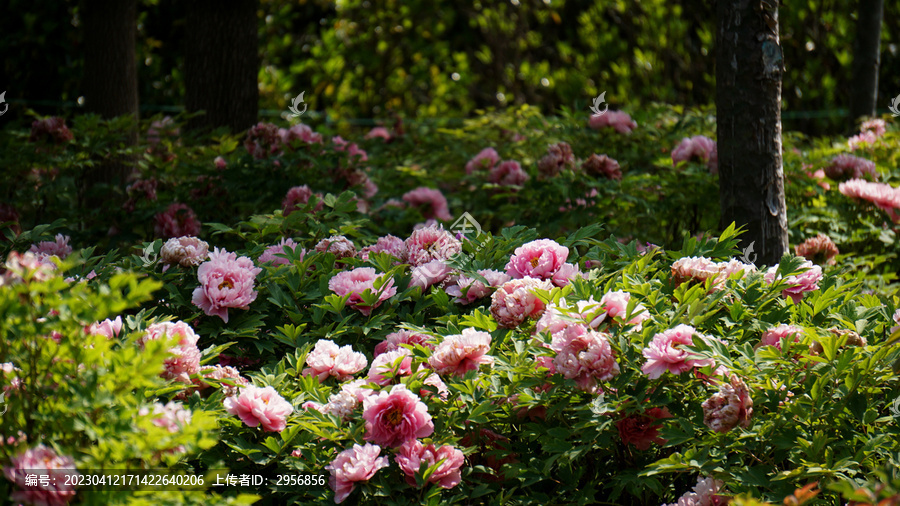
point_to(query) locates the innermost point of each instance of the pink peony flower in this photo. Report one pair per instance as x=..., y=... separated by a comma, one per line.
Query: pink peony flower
x=460, y=353
x=484, y=160
x=699, y=148
x=172, y=416
x=896, y=318
x=877, y=126
x=537, y=259
x=430, y=202
x=388, y=244
x=337, y=245
x=603, y=166
x=176, y=221
x=359, y=281
x=508, y=173
x=382, y=370
x=343, y=403
x=467, y=290
x=51, y=129
x=559, y=316
x=431, y=243
x=558, y=158
x=584, y=355
x=395, y=417
x=229, y=377
x=566, y=273
x=186, y=356
x=729, y=407
x=262, y=140
x=260, y=406
x=351, y=148
x=26, y=267
x=226, y=281
x=642, y=429
x=618, y=120
x=353, y=465
x=59, y=248
x=665, y=352
x=798, y=284
x=704, y=494
x=776, y=336
x=701, y=269
x=164, y=127
x=394, y=340
x=515, y=301
x=107, y=328
x=616, y=304
x=378, y=133
x=862, y=140
x=297, y=197
x=413, y=454
x=276, y=254
x=429, y=274
x=819, y=249
x=59, y=469
x=185, y=251
x=885, y=197
x=327, y=359
x=844, y=167
x=301, y=132
x=220, y=163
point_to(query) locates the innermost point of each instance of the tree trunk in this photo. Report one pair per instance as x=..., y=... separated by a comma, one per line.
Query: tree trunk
x=221, y=64
x=749, y=69
x=866, y=59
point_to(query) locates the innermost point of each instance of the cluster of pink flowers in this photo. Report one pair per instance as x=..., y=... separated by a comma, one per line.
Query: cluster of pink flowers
x=460, y=353
x=699, y=148
x=701, y=269
x=172, y=416
x=358, y=281
x=297, y=197
x=354, y=465
x=266, y=139
x=176, y=221
x=467, y=289
x=779, y=334
x=337, y=245
x=378, y=133
x=25, y=267
x=869, y=133
x=603, y=166
x=328, y=359
x=431, y=243
x=542, y=259
x=298, y=132
x=413, y=454
x=798, y=284
x=58, y=492
x=59, y=247
x=51, y=129
x=144, y=188
x=729, y=407
x=666, y=353
x=486, y=159
x=884, y=196
x=260, y=406
x=515, y=301
x=352, y=150
x=642, y=429
x=508, y=173
x=107, y=328
x=395, y=340
x=430, y=202
x=819, y=249
x=186, y=356
x=343, y=403
x=620, y=121
x=276, y=252
x=387, y=244
x=226, y=281
x=395, y=417
x=229, y=377
x=185, y=251
x=844, y=167
x=584, y=355
x=559, y=157
x=704, y=494
x=560, y=315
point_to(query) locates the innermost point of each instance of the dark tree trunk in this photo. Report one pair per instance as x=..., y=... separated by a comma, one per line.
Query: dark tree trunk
x=749, y=69
x=866, y=59
x=221, y=64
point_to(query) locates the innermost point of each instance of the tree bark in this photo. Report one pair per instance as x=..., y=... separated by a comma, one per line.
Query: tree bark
x=866, y=59
x=221, y=64
x=749, y=68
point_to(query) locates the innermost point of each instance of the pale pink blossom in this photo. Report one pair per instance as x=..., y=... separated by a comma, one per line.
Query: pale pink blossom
x=220, y=163
x=276, y=252
x=798, y=284
x=185, y=251
x=516, y=300
x=566, y=273
x=666, y=353
x=383, y=370
x=467, y=289
x=486, y=159
x=185, y=359
x=877, y=126
x=460, y=353
x=603, y=166
x=226, y=281
x=378, y=133
x=60, y=469
x=176, y=221
x=705, y=493
x=260, y=406
x=352, y=150
x=395, y=417
x=729, y=407
x=701, y=269
x=358, y=281
x=172, y=416
x=394, y=340
x=107, y=328
x=862, y=140
x=343, y=403
x=59, y=247
x=388, y=244
x=777, y=335
x=26, y=267
x=618, y=120
x=301, y=132
x=431, y=243
x=819, y=249
x=699, y=148
x=413, y=454
x=851, y=167
x=337, y=245
x=430, y=202
x=431, y=273
x=508, y=173
x=896, y=318
x=297, y=197
x=559, y=157
x=328, y=359
x=884, y=196
x=584, y=355
x=354, y=465
x=615, y=304
x=435, y=381
x=51, y=129
x=229, y=377
x=537, y=259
